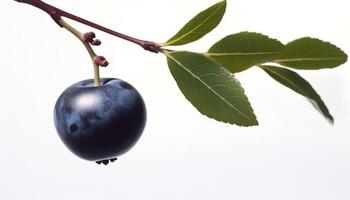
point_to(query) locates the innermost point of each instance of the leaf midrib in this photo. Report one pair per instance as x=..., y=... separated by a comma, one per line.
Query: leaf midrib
x=210, y=88
x=176, y=40
x=240, y=54
x=305, y=59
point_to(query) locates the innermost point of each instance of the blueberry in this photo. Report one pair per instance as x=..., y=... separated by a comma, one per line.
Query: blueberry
x=100, y=123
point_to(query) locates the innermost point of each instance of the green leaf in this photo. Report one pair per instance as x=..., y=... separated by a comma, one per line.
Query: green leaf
x=241, y=51
x=311, y=53
x=295, y=82
x=199, y=26
x=210, y=88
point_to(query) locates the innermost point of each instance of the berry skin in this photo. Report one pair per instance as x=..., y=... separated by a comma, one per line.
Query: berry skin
x=100, y=123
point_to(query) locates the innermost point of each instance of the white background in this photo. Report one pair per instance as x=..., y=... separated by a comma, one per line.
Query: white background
x=293, y=154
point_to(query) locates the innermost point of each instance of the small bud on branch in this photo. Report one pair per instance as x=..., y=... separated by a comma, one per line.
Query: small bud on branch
x=89, y=37
x=96, y=42
x=101, y=61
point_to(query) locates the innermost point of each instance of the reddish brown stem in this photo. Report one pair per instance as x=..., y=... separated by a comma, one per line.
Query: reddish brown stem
x=56, y=13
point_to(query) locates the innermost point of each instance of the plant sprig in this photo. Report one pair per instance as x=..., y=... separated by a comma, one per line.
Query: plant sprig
x=207, y=79
x=88, y=39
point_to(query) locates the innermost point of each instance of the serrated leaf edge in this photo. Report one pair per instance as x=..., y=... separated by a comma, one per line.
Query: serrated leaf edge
x=281, y=61
x=265, y=37
x=254, y=121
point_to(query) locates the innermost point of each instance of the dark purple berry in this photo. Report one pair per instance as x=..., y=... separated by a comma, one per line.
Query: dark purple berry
x=100, y=123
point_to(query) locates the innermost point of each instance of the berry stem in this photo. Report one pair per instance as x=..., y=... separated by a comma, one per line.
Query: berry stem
x=57, y=13
x=88, y=47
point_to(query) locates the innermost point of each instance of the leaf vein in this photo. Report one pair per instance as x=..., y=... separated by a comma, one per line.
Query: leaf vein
x=208, y=86
x=240, y=54
x=304, y=59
